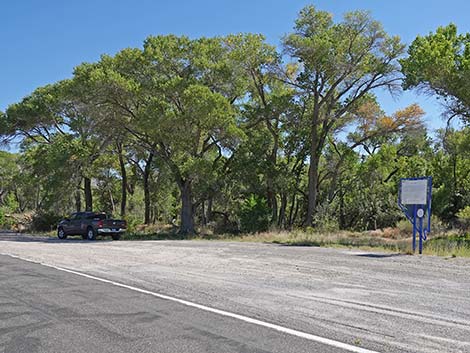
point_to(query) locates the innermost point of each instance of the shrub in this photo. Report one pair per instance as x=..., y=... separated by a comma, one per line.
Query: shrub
x=392, y=233
x=405, y=227
x=45, y=221
x=254, y=215
x=7, y=221
x=132, y=222
x=464, y=218
x=325, y=219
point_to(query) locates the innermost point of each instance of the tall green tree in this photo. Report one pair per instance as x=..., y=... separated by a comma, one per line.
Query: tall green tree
x=8, y=173
x=61, y=112
x=339, y=64
x=439, y=63
x=451, y=172
x=176, y=98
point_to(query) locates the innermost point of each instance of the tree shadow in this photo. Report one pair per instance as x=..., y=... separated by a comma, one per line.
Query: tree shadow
x=379, y=256
x=26, y=238
x=300, y=243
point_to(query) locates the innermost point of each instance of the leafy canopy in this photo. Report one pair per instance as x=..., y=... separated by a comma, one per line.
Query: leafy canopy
x=439, y=63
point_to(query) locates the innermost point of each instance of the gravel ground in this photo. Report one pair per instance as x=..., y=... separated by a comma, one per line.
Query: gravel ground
x=384, y=302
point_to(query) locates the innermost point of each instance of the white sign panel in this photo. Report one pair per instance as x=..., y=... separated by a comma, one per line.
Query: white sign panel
x=414, y=192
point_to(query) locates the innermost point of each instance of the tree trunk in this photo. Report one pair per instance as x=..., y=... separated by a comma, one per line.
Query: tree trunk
x=38, y=202
x=296, y=210
x=312, y=188
x=146, y=176
x=313, y=167
x=282, y=211
x=122, y=165
x=209, y=210
x=123, y=185
x=187, y=220
x=78, y=201
x=146, y=200
x=342, y=220
x=291, y=211
x=88, y=195
x=203, y=213
x=272, y=200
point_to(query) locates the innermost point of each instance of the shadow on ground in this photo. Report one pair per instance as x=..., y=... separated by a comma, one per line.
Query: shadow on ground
x=379, y=256
x=25, y=238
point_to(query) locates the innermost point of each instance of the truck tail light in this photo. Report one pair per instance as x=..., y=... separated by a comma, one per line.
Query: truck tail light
x=100, y=223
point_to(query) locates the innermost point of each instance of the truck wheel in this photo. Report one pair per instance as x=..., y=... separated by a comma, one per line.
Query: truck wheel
x=61, y=233
x=116, y=236
x=90, y=233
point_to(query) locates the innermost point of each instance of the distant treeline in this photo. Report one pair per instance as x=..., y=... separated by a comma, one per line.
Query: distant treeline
x=231, y=133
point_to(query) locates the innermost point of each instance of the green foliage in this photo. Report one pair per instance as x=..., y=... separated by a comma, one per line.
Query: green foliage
x=192, y=126
x=254, y=214
x=464, y=218
x=451, y=170
x=2, y=217
x=454, y=245
x=440, y=64
x=325, y=220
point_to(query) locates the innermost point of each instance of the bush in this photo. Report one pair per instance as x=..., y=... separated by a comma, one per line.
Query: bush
x=325, y=219
x=6, y=220
x=132, y=222
x=45, y=221
x=2, y=217
x=405, y=227
x=464, y=218
x=254, y=215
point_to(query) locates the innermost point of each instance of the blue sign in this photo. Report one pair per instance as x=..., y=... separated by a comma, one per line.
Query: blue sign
x=414, y=198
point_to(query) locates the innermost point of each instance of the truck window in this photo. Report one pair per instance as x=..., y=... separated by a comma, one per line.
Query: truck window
x=97, y=216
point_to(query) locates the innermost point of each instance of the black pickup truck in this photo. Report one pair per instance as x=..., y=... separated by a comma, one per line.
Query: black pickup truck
x=90, y=224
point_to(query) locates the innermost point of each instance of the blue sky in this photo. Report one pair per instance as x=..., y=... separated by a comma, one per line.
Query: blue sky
x=42, y=41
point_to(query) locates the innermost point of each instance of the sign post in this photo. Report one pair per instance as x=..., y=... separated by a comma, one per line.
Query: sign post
x=414, y=199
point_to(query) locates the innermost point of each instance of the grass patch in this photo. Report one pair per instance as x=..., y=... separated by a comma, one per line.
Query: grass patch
x=455, y=245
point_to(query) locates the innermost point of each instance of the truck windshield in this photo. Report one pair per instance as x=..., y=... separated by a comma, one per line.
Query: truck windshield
x=97, y=216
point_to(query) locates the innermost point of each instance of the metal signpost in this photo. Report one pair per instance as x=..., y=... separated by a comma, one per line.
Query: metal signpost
x=414, y=198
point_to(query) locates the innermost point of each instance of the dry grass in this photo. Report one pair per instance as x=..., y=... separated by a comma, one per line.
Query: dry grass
x=388, y=239
x=444, y=243
x=330, y=239
x=450, y=244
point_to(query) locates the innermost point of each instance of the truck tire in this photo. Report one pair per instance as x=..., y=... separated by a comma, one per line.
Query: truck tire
x=61, y=233
x=116, y=236
x=90, y=233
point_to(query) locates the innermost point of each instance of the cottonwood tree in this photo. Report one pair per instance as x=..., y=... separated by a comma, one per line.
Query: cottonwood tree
x=339, y=63
x=372, y=128
x=143, y=160
x=439, y=64
x=267, y=108
x=174, y=97
x=61, y=111
x=451, y=172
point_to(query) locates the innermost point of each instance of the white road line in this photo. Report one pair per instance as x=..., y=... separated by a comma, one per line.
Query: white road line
x=250, y=320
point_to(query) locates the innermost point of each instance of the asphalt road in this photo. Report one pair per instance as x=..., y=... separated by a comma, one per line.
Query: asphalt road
x=380, y=302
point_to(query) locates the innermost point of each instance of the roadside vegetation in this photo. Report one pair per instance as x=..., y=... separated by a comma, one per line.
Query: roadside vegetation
x=396, y=240
x=442, y=242
x=232, y=138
